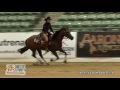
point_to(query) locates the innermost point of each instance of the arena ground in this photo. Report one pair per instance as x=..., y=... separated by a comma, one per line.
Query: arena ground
x=98, y=68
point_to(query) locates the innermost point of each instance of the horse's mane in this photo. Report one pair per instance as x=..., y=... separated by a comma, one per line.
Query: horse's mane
x=56, y=34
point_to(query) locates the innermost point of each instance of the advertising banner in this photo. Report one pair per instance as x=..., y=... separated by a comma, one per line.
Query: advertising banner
x=98, y=44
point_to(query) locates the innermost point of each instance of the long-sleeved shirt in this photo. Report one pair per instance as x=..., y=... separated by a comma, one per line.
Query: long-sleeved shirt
x=47, y=26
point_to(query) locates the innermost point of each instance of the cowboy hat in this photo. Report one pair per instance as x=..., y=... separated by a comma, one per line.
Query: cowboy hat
x=48, y=18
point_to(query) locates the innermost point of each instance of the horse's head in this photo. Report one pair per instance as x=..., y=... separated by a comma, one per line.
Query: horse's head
x=67, y=33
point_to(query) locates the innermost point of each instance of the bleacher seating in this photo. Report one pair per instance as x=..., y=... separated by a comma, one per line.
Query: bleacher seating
x=84, y=21
x=18, y=20
x=88, y=19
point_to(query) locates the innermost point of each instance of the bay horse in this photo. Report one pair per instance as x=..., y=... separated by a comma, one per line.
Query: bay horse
x=56, y=45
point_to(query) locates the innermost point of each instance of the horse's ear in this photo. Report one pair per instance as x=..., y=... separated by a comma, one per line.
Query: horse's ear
x=67, y=29
x=63, y=29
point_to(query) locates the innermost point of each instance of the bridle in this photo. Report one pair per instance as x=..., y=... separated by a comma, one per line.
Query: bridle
x=65, y=32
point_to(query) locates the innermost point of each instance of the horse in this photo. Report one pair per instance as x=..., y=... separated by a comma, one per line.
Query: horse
x=55, y=45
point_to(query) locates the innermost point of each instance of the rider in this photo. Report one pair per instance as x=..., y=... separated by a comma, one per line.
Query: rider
x=47, y=29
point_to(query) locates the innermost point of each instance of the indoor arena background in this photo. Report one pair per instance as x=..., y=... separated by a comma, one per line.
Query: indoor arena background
x=95, y=48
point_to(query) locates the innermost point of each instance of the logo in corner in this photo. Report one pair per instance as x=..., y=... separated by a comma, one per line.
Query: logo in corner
x=15, y=69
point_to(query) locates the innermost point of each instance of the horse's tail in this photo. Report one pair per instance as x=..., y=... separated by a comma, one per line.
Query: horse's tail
x=22, y=50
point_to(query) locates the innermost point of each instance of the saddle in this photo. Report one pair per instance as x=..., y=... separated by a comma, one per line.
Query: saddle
x=39, y=39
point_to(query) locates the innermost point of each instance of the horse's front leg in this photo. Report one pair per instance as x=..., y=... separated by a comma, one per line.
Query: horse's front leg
x=40, y=54
x=61, y=50
x=55, y=53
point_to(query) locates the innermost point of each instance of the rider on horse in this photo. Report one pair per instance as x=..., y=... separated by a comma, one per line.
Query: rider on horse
x=47, y=29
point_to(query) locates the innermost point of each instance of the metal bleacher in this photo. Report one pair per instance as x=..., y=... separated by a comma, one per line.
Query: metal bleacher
x=76, y=21
x=18, y=21
x=89, y=20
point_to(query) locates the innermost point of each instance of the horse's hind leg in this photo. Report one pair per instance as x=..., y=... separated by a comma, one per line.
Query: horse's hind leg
x=55, y=53
x=65, y=55
x=40, y=53
x=34, y=55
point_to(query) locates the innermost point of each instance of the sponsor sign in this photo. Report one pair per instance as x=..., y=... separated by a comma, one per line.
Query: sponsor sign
x=11, y=42
x=98, y=44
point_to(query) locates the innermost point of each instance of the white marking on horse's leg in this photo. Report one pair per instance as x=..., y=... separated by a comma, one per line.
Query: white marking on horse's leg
x=39, y=61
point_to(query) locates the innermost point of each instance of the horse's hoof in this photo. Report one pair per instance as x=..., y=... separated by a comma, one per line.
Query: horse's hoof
x=48, y=64
x=41, y=63
x=51, y=60
x=35, y=64
x=65, y=61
